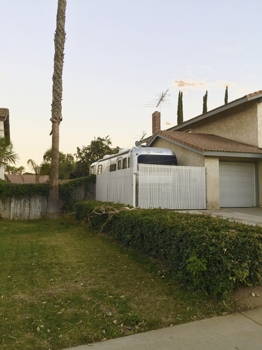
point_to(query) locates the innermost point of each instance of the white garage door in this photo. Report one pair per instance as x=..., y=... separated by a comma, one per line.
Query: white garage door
x=237, y=184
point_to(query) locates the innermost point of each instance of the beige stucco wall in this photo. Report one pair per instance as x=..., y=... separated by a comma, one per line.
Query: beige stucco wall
x=212, y=182
x=260, y=183
x=239, y=123
x=184, y=156
x=259, y=124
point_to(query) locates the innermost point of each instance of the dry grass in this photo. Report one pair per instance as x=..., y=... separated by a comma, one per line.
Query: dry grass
x=62, y=285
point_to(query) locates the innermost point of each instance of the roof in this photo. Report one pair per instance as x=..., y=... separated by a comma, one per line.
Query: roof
x=205, y=142
x=26, y=179
x=239, y=101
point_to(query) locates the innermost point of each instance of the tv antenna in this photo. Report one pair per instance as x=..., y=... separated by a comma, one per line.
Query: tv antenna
x=162, y=100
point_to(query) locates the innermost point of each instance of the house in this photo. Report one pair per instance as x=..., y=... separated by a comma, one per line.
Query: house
x=26, y=178
x=4, y=131
x=227, y=141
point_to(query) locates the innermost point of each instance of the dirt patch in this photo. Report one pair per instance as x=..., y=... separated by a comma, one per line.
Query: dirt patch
x=248, y=298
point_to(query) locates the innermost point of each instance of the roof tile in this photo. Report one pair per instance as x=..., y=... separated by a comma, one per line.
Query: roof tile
x=207, y=142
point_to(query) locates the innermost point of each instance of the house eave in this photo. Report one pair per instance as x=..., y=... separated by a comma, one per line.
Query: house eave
x=176, y=143
x=232, y=154
x=217, y=110
x=208, y=153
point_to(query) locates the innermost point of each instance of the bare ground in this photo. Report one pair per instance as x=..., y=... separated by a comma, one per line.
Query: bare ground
x=248, y=298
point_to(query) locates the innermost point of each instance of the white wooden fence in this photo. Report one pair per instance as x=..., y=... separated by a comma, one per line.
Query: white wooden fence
x=24, y=208
x=155, y=186
x=171, y=187
x=116, y=187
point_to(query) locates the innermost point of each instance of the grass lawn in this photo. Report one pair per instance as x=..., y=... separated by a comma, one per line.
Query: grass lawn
x=62, y=285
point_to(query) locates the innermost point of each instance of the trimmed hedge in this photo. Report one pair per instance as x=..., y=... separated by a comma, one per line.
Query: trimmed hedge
x=19, y=191
x=210, y=254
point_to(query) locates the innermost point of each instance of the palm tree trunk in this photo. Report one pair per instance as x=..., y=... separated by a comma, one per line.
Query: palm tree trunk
x=53, y=200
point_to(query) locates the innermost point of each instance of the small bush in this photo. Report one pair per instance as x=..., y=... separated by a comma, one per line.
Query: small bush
x=205, y=253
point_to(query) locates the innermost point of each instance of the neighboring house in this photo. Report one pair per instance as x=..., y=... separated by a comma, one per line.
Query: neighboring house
x=228, y=142
x=26, y=179
x=4, y=131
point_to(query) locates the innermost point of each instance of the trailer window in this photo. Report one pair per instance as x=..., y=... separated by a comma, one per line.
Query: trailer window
x=157, y=159
x=92, y=171
x=119, y=164
x=99, y=169
x=112, y=167
x=124, y=163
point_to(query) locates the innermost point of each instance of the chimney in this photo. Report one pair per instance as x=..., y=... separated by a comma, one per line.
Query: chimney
x=156, y=122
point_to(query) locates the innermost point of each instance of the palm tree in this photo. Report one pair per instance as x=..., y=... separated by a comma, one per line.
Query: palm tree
x=7, y=154
x=36, y=169
x=9, y=169
x=53, y=202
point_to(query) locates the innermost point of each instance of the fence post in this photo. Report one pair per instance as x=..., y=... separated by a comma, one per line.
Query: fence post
x=134, y=190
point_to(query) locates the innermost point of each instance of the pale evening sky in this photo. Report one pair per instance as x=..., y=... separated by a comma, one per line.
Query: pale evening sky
x=119, y=56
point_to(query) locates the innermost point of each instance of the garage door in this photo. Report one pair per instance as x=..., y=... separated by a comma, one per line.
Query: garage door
x=237, y=184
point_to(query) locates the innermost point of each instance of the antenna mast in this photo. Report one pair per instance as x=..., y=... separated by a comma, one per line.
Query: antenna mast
x=162, y=96
x=161, y=100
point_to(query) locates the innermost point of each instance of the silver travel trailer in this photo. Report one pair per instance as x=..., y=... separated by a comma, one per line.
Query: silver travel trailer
x=130, y=158
x=148, y=177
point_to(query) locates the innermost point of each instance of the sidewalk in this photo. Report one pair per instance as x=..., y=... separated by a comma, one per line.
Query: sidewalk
x=239, y=331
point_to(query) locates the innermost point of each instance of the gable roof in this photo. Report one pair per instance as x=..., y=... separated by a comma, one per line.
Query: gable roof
x=203, y=143
x=239, y=101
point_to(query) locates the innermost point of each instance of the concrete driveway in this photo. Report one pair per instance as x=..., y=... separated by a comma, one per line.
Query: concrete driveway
x=251, y=216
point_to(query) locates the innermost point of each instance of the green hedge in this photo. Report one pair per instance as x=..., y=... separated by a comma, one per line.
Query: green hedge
x=22, y=190
x=203, y=252
x=66, y=190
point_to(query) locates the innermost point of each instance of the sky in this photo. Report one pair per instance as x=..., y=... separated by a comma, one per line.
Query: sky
x=120, y=56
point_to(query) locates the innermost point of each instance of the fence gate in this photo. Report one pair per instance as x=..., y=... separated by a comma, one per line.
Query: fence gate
x=171, y=187
x=116, y=187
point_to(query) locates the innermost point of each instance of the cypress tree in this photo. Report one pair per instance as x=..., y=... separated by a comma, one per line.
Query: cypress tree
x=180, y=108
x=226, y=96
x=205, y=103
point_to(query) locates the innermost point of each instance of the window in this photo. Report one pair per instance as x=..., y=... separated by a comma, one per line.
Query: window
x=92, y=169
x=99, y=169
x=157, y=159
x=119, y=164
x=124, y=163
x=112, y=167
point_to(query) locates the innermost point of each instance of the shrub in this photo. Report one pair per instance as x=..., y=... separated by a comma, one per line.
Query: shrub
x=205, y=253
x=68, y=190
